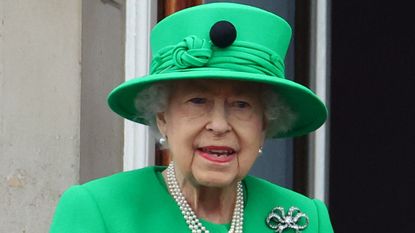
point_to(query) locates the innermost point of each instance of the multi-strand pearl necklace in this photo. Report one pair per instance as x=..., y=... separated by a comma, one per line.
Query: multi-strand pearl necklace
x=189, y=215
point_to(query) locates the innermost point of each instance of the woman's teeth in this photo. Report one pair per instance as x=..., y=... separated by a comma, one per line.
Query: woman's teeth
x=218, y=153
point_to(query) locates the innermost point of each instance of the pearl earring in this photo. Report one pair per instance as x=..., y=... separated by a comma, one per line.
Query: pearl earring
x=162, y=141
x=260, y=150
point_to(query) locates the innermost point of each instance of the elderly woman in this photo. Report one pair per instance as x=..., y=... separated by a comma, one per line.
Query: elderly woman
x=216, y=91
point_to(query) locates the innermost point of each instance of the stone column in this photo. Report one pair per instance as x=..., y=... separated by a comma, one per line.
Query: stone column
x=54, y=76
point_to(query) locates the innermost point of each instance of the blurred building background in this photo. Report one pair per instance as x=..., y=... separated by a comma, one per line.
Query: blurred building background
x=60, y=59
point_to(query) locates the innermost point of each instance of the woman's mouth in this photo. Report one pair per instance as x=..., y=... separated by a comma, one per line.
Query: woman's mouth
x=219, y=154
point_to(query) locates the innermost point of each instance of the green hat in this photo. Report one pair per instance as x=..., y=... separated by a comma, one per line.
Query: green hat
x=223, y=41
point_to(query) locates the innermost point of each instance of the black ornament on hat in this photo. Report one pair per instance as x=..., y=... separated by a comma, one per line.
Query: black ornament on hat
x=222, y=34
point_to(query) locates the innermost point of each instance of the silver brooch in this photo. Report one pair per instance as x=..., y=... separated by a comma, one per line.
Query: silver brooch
x=295, y=219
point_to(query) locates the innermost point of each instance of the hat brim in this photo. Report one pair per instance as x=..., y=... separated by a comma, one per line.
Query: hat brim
x=310, y=111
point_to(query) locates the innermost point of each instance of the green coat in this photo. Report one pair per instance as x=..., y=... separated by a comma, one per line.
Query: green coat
x=138, y=201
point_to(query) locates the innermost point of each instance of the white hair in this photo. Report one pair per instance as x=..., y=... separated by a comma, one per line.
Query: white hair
x=154, y=99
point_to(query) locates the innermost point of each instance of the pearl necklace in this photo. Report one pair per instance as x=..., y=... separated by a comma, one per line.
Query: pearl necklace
x=191, y=219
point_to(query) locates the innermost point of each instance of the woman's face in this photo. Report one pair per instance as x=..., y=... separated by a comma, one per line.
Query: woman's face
x=214, y=129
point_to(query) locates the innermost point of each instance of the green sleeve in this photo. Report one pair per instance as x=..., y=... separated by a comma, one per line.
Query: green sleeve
x=324, y=224
x=77, y=212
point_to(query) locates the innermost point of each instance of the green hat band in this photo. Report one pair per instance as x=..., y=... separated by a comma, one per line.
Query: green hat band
x=195, y=52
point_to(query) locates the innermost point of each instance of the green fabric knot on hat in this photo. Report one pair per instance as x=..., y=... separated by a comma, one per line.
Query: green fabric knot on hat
x=192, y=52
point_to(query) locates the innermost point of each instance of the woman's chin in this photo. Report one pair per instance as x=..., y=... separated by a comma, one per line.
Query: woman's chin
x=211, y=174
x=214, y=179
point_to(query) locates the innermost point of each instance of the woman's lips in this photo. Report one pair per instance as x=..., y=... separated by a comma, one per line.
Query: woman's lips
x=218, y=154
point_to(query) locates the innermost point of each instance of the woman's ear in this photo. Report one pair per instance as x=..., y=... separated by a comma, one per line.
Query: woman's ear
x=161, y=123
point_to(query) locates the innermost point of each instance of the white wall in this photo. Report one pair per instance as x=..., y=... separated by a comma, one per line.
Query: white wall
x=40, y=81
x=57, y=63
x=103, y=33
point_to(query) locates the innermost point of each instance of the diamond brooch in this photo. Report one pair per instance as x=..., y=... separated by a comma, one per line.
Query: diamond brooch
x=278, y=221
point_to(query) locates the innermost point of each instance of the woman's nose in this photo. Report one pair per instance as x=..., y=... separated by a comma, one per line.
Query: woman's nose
x=218, y=120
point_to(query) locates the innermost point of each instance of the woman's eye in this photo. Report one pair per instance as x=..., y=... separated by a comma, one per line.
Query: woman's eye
x=197, y=100
x=241, y=104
